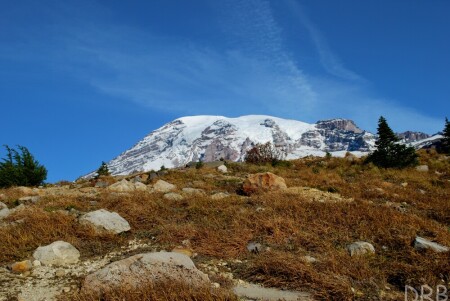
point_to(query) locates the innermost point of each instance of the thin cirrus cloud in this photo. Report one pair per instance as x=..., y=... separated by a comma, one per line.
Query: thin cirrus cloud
x=251, y=72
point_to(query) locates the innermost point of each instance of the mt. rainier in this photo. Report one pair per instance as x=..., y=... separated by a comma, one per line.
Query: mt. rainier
x=209, y=138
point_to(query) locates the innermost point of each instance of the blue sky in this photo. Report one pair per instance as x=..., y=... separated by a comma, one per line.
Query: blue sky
x=81, y=81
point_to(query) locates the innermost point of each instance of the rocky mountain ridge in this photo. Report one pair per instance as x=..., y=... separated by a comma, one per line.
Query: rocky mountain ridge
x=211, y=138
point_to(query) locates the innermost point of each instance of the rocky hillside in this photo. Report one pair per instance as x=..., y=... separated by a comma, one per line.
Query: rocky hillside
x=318, y=229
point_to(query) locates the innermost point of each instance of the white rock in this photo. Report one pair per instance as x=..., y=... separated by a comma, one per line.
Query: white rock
x=360, y=248
x=421, y=243
x=36, y=263
x=219, y=196
x=140, y=186
x=222, y=169
x=104, y=220
x=122, y=186
x=4, y=211
x=140, y=268
x=422, y=168
x=172, y=196
x=193, y=191
x=57, y=253
x=163, y=186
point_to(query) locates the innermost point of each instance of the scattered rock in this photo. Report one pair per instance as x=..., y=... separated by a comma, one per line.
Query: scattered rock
x=263, y=181
x=36, y=263
x=360, y=248
x=58, y=253
x=193, y=191
x=404, y=184
x=220, y=196
x=163, y=186
x=21, y=267
x=309, y=259
x=140, y=268
x=60, y=273
x=172, y=196
x=4, y=211
x=29, y=199
x=122, y=186
x=421, y=243
x=101, y=184
x=316, y=195
x=140, y=186
x=2, y=197
x=222, y=169
x=249, y=291
x=422, y=168
x=104, y=220
x=25, y=190
x=254, y=247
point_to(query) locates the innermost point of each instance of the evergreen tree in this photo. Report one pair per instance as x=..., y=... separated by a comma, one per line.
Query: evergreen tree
x=389, y=152
x=103, y=170
x=446, y=139
x=21, y=169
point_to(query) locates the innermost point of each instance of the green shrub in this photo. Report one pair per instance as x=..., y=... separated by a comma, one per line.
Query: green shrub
x=19, y=168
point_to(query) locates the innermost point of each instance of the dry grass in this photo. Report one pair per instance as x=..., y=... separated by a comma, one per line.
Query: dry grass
x=162, y=291
x=289, y=225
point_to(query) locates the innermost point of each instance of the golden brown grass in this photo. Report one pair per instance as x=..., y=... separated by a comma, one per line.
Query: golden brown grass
x=289, y=225
x=161, y=291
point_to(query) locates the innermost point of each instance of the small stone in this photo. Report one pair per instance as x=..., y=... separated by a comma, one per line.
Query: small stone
x=222, y=169
x=122, y=186
x=26, y=274
x=60, y=273
x=101, y=184
x=422, y=168
x=163, y=186
x=309, y=259
x=193, y=191
x=66, y=289
x=140, y=186
x=421, y=243
x=254, y=247
x=360, y=248
x=57, y=253
x=172, y=196
x=104, y=220
x=4, y=211
x=22, y=266
x=215, y=285
x=36, y=263
x=404, y=184
x=219, y=196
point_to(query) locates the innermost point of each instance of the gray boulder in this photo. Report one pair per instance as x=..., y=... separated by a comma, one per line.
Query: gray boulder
x=103, y=220
x=58, y=253
x=122, y=186
x=163, y=186
x=421, y=243
x=219, y=196
x=360, y=248
x=422, y=168
x=140, y=186
x=222, y=169
x=144, y=268
x=172, y=196
x=193, y=191
x=4, y=211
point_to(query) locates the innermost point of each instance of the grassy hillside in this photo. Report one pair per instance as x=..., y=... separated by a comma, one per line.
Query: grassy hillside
x=353, y=202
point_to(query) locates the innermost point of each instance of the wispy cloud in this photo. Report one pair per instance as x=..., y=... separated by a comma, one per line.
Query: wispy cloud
x=330, y=61
x=252, y=72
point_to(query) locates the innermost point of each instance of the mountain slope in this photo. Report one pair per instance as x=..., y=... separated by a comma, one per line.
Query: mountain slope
x=209, y=138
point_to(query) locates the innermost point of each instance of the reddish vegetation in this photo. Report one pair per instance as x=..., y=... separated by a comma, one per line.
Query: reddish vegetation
x=385, y=212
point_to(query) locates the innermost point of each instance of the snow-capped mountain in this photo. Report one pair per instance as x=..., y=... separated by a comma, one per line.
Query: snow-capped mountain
x=209, y=138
